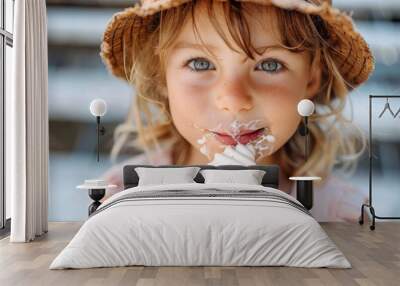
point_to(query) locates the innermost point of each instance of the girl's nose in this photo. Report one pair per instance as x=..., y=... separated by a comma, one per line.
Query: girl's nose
x=233, y=97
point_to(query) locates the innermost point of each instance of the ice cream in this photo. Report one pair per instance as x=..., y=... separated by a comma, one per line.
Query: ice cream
x=235, y=155
x=237, y=146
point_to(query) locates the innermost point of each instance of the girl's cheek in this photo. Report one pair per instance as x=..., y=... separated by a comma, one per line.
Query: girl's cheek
x=279, y=107
x=196, y=92
x=188, y=102
x=189, y=90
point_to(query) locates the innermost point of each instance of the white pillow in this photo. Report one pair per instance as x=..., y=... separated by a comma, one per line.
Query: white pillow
x=162, y=176
x=249, y=176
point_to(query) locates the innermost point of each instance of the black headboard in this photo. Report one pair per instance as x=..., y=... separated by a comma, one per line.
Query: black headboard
x=270, y=179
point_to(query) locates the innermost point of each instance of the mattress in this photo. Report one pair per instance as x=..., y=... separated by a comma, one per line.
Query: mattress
x=196, y=224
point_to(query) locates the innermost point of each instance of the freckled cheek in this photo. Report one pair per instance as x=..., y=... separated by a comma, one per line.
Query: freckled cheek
x=283, y=127
x=190, y=99
x=279, y=106
x=189, y=104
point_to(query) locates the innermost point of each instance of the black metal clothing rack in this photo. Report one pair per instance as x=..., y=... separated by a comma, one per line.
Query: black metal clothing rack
x=369, y=205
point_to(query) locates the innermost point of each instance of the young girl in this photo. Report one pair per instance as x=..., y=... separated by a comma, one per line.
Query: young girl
x=219, y=81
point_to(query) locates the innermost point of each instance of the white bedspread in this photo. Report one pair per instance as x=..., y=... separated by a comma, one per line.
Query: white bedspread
x=181, y=231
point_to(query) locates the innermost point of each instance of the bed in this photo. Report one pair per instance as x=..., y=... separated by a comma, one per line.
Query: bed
x=201, y=224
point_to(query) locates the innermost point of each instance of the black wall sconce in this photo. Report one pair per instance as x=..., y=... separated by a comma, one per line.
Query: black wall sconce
x=304, y=185
x=98, y=108
x=305, y=108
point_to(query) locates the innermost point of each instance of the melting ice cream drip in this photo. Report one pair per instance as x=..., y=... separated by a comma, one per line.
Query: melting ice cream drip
x=203, y=145
x=203, y=142
x=264, y=144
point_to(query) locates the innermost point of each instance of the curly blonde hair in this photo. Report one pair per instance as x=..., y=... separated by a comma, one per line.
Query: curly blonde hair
x=333, y=141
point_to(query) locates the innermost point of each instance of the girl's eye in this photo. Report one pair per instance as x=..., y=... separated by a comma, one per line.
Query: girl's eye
x=199, y=64
x=271, y=66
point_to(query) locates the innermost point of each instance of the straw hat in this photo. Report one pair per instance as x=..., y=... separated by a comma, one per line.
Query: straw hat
x=349, y=50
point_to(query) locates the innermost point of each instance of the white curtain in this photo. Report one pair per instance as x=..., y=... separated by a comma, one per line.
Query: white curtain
x=27, y=148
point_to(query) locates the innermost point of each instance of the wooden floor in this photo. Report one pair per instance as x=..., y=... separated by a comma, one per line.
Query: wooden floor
x=374, y=255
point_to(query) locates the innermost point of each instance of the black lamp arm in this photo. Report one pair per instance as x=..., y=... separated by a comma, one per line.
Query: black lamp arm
x=306, y=151
x=304, y=131
x=100, y=131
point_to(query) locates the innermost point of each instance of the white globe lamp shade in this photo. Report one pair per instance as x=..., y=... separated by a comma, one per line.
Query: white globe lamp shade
x=98, y=107
x=305, y=107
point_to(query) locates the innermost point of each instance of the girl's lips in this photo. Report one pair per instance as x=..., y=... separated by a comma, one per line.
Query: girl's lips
x=243, y=139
